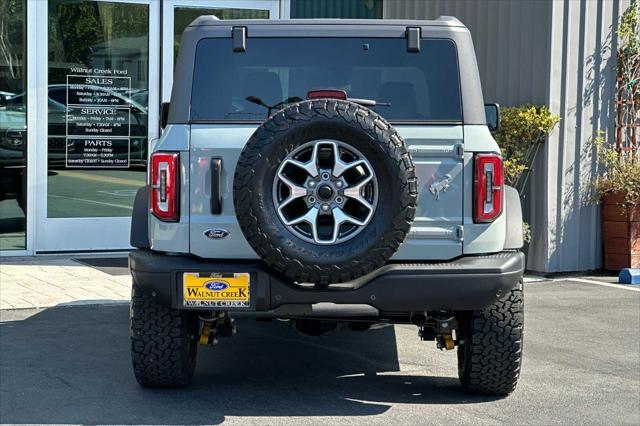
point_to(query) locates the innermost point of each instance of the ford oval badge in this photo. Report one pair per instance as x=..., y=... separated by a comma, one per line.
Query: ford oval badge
x=216, y=285
x=216, y=233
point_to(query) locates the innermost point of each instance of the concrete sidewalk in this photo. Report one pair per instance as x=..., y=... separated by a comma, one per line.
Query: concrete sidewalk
x=46, y=281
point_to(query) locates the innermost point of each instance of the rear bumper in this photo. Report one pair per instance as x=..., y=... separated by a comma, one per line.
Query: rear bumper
x=467, y=283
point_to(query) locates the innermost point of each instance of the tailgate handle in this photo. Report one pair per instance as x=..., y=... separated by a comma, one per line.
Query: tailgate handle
x=216, y=172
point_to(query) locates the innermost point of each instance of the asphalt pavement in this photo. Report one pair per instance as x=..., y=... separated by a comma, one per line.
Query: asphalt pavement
x=581, y=366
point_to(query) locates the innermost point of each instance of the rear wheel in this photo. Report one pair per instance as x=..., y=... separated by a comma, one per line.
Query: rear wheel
x=163, y=346
x=490, y=349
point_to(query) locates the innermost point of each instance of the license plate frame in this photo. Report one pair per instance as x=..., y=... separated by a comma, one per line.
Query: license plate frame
x=216, y=290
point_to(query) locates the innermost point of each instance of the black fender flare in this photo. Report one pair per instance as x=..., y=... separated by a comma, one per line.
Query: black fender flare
x=514, y=239
x=140, y=220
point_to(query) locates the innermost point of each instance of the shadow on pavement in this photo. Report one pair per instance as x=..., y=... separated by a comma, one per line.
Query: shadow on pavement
x=109, y=265
x=71, y=365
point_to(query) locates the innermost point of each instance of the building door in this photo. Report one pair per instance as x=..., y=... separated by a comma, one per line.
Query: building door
x=178, y=14
x=97, y=82
x=13, y=126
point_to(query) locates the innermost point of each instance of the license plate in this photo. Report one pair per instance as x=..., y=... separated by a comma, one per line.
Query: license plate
x=212, y=290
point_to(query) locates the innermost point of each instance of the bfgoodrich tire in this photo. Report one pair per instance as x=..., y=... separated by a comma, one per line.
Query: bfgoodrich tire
x=163, y=347
x=342, y=140
x=490, y=352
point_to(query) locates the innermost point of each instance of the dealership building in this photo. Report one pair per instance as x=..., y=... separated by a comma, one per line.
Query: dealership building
x=82, y=81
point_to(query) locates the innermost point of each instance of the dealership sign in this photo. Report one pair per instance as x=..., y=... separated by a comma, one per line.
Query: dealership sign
x=98, y=121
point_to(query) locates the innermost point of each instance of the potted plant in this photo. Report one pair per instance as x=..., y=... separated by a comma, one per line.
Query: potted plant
x=618, y=190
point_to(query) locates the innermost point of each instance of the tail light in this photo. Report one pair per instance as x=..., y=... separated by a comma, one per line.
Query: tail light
x=164, y=186
x=489, y=187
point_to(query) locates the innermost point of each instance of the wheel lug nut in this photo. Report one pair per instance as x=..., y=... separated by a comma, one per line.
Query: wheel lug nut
x=325, y=207
x=325, y=176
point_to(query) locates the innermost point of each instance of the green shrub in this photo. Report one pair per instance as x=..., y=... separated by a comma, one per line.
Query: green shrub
x=520, y=128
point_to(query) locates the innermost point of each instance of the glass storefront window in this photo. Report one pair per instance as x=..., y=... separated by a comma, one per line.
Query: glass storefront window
x=97, y=107
x=13, y=125
x=183, y=16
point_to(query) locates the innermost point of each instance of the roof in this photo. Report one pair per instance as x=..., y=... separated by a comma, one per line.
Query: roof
x=442, y=21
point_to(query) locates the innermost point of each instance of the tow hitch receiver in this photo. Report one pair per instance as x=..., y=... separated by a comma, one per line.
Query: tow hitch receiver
x=446, y=342
x=212, y=328
x=207, y=333
x=440, y=327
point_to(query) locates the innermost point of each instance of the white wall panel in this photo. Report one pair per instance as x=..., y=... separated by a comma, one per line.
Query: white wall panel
x=582, y=90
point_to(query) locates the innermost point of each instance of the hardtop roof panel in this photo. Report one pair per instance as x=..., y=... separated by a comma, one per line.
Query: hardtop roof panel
x=444, y=21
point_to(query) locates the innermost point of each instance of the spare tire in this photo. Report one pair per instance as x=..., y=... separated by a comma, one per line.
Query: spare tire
x=325, y=191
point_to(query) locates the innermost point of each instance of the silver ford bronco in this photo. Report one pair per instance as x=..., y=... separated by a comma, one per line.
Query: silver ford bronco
x=327, y=172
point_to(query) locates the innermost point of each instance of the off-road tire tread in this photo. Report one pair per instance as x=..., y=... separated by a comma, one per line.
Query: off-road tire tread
x=162, y=352
x=267, y=247
x=490, y=358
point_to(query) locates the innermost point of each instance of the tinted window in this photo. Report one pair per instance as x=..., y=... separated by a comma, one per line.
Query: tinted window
x=420, y=86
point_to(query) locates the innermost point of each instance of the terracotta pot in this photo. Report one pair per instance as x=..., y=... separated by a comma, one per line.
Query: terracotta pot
x=620, y=233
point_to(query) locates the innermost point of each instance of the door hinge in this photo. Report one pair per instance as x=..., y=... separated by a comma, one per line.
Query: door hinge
x=239, y=39
x=413, y=39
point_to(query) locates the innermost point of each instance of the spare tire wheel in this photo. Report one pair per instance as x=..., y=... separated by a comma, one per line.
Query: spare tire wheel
x=325, y=191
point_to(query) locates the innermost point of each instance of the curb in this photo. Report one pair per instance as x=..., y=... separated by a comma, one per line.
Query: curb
x=74, y=304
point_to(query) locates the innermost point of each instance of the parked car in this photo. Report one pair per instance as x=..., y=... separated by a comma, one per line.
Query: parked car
x=327, y=172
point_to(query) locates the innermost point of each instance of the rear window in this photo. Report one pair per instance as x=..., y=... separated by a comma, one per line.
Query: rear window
x=422, y=86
